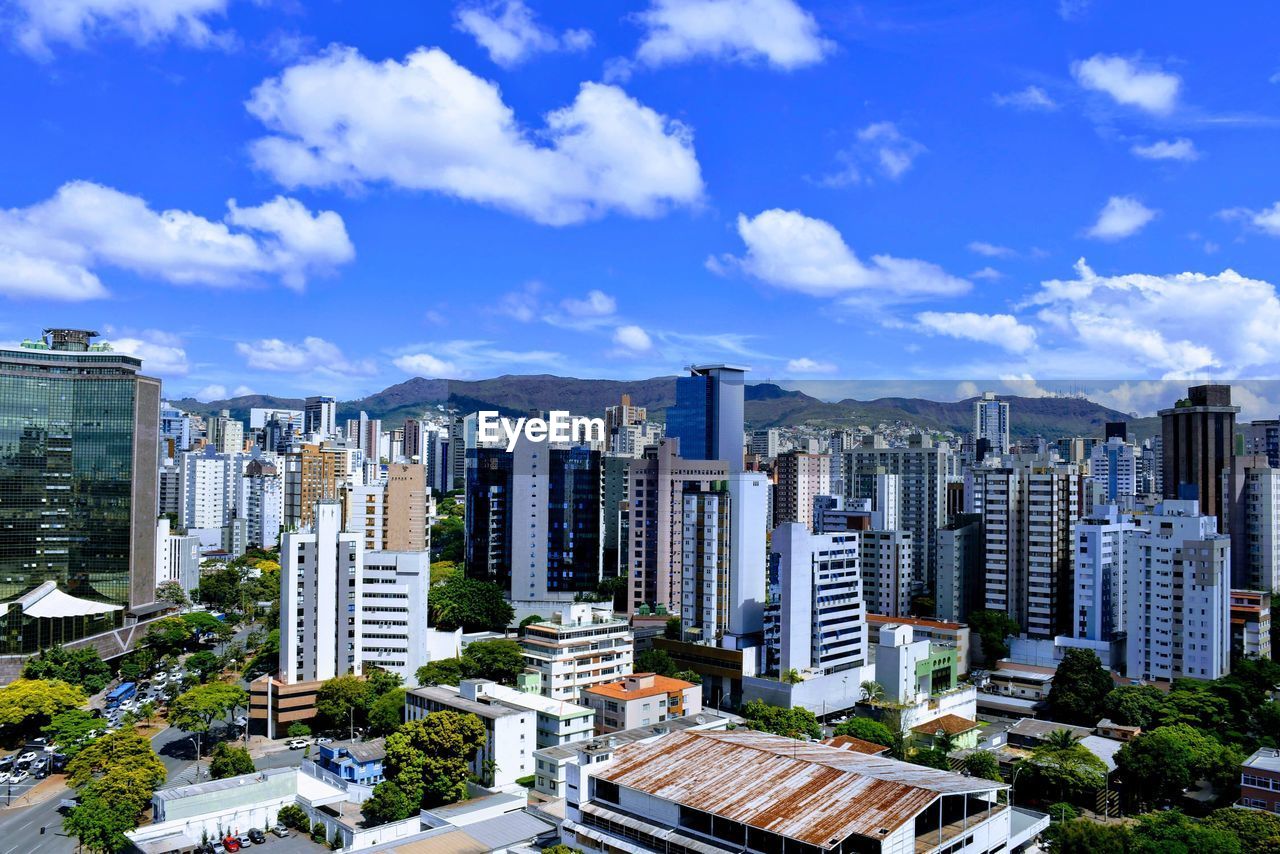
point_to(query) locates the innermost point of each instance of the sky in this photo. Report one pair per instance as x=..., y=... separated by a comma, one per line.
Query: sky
x=326, y=196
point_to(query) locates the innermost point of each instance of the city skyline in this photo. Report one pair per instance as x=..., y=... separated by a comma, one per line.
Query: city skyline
x=557, y=180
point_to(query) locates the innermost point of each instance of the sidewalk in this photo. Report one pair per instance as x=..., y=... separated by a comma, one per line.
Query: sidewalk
x=52, y=786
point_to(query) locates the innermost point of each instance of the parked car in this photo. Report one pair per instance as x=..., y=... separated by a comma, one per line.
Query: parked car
x=280, y=830
x=297, y=743
x=4, y=776
x=324, y=740
x=257, y=836
x=19, y=776
x=29, y=756
x=231, y=844
x=245, y=840
x=217, y=847
x=59, y=762
x=6, y=762
x=37, y=743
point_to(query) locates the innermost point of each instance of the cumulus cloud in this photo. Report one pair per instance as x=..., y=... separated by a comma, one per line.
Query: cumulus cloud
x=508, y=31
x=425, y=365
x=1030, y=98
x=465, y=357
x=1178, y=325
x=989, y=273
x=805, y=365
x=57, y=244
x=427, y=123
x=1178, y=149
x=1129, y=83
x=991, y=250
x=632, y=338
x=311, y=354
x=1121, y=217
x=38, y=25
x=1266, y=220
x=596, y=304
x=777, y=32
x=161, y=352
x=211, y=393
x=1001, y=330
x=790, y=250
x=879, y=147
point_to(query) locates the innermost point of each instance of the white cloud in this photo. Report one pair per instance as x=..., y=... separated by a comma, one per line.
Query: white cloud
x=991, y=274
x=1266, y=220
x=1178, y=149
x=508, y=31
x=778, y=32
x=211, y=393
x=57, y=243
x=427, y=123
x=425, y=365
x=1030, y=98
x=1128, y=83
x=805, y=365
x=966, y=390
x=632, y=338
x=242, y=391
x=880, y=147
x=791, y=250
x=312, y=354
x=524, y=304
x=1121, y=217
x=40, y=24
x=991, y=250
x=161, y=353
x=596, y=304
x=1179, y=325
x=1000, y=330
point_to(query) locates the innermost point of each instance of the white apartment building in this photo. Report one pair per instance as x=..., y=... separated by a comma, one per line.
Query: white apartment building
x=511, y=732
x=723, y=562
x=392, y=611
x=641, y=699
x=1178, y=586
x=887, y=570
x=1114, y=467
x=800, y=478
x=321, y=590
x=586, y=646
x=207, y=487
x=225, y=434
x=764, y=443
x=815, y=621
x=260, y=501
x=177, y=557
x=991, y=422
x=1253, y=521
x=1098, y=611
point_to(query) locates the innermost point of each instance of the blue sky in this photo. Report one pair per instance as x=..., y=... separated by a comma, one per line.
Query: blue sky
x=306, y=196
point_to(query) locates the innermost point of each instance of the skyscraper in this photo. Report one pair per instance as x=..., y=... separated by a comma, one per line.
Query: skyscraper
x=79, y=440
x=320, y=415
x=708, y=415
x=1199, y=441
x=801, y=478
x=991, y=422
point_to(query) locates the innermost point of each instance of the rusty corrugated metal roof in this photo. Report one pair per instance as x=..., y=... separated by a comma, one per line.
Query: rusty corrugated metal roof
x=803, y=790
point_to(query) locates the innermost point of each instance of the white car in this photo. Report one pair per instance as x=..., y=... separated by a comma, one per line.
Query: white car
x=159, y=679
x=4, y=776
x=29, y=756
x=19, y=777
x=324, y=740
x=296, y=743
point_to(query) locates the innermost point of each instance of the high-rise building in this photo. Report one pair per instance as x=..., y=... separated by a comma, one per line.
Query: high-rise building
x=261, y=503
x=321, y=585
x=1028, y=510
x=1114, y=466
x=1178, y=591
x=801, y=477
x=533, y=521
x=623, y=415
x=392, y=515
x=177, y=557
x=225, y=434
x=1099, y=595
x=209, y=484
x=991, y=422
x=764, y=443
x=311, y=474
x=176, y=431
x=1199, y=441
x=1263, y=437
x=708, y=414
x=320, y=416
x=79, y=450
x=583, y=645
x=960, y=553
x=1253, y=523
x=815, y=621
x=886, y=569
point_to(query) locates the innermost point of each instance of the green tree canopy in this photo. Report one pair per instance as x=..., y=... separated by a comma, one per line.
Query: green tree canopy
x=793, y=723
x=1080, y=688
x=229, y=761
x=428, y=758
x=1171, y=832
x=983, y=763
x=1134, y=705
x=657, y=661
x=343, y=701
x=500, y=660
x=119, y=766
x=1161, y=763
x=387, y=712
x=931, y=757
x=70, y=729
x=83, y=667
x=1062, y=770
x=1255, y=830
x=100, y=824
x=445, y=671
x=865, y=729
x=197, y=709
x=32, y=703
x=387, y=804
x=472, y=604
x=1086, y=836
x=993, y=627
x=172, y=592
x=204, y=664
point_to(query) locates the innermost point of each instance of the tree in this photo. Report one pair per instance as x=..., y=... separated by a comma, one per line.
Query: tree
x=654, y=661
x=992, y=627
x=791, y=677
x=70, y=729
x=872, y=691
x=428, y=758
x=442, y=571
x=1256, y=831
x=100, y=824
x=1161, y=763
x=120, y=766
x=983, y=763
x=689, y=676
x=293, y=816
x=298, y=729
x=932, y=757
x=470, y=603
x=672, y=630
x=342, y=701
x=1171, y=831
x=203, y=624
x=448, y=539
x=387, y=712
x=445, y=671
x=197, y=709
x=204, y=664
x=387, y=804
x=1061, y=771
x=381, y=681
x=83, y=667
x=1086, y=836
x=229, y=761
x=172, y=592
x=793, y=723
x=501, y=660
x=32, y=703
x=167, y=635
x=266, y=656
x=1063, y=811
x=865, y=729
x=137, y=664
x=1134, y=705
x=1080, y=688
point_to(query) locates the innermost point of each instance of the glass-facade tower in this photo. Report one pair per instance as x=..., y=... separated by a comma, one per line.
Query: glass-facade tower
x=78, y=478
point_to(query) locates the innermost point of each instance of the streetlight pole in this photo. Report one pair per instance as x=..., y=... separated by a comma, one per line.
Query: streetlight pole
x=351, y=733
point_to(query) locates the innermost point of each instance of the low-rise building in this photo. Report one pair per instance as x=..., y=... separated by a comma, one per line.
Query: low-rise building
x=745, y=790
x=1030, y=734
x=1251, y=623
x=937, y=632
x=358, y=762
x=1260, y=781
x=511, y=733
x=585, y=646
x=640, y=700
x=963, y=732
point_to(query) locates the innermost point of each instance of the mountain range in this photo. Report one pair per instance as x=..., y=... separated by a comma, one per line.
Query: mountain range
x=767, y=405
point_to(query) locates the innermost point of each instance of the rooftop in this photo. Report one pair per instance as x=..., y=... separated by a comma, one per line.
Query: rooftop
x=950, y=724
x=450, y=697
x=1265, y=759
x=627, y=736
x=1031, y=728
x=638, y=685
x=857, y=745
x=361, y=751
x=807, y=791
x=913, y=621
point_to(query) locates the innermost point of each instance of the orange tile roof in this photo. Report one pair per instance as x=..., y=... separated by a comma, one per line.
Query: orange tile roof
x=857, y=745
x=618, y=690
x=950, y=724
